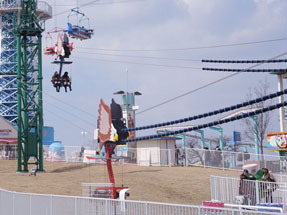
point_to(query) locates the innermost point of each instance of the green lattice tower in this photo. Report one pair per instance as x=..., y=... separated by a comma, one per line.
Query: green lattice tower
x=28, y=32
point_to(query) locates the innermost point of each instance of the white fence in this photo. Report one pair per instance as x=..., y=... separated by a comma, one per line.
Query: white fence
x=248, y=192
x=279, y=177
x=233, y=160
x=8, y=152
x=14, y=203
x=161, y=157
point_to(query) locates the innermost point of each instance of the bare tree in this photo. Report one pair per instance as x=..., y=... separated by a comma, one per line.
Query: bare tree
x=262, y=120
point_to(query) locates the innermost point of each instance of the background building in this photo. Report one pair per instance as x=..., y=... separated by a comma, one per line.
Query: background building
x=156, y=152
x=8, y=55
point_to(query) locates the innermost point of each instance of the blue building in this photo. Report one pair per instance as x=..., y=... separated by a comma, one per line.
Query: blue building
x=8, y=55
x=48, y=135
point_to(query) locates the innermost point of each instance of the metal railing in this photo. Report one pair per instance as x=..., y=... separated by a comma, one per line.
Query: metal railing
x=10, y=4
x=279, y=177
x=248, y=192
x=14, y=203
x=232, y=160
x=8, y=152
x=44, y=10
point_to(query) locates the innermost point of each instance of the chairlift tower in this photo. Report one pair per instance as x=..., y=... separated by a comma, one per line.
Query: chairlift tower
x=21, y=75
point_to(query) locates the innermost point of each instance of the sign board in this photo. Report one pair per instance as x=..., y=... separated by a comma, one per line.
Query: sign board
x=277, y=140
x=122, y=150
x=236, y=136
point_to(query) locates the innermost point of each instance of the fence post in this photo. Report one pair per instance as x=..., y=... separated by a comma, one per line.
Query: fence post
x=66, y=153
x=51, y=205
x=76, y=206
x=53, y=149
x=123, y=207
x=30, y=204
x=221, y=188
x=211, y=187
x=13, y=203
x=186, y=160
x=240, y=210
x=204, y=158
x=106, y=201
x=223, y=160
x=257, y=192
x=169, y=158
x=146, y=208
x=284, y=200
x=215, y=191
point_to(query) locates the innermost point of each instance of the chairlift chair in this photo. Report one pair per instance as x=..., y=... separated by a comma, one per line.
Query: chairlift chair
x=50, y=48
x=78, y=30
x=63, y=50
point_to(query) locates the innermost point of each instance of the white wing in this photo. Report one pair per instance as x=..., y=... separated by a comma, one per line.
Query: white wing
x=104, y=122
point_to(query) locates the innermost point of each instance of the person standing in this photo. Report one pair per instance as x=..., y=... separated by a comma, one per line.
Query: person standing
x=7, y=151
x=243, y=186
x=268, y=187
x=218, y=157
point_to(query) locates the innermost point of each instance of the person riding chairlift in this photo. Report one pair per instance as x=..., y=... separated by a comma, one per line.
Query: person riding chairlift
x=66, y=81
x=56, y=79
x=66, y=49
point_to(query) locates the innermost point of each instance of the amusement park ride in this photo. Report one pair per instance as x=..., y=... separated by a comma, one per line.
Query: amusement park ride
x=30, y=131
x=27, y=28
x=63, y=48
x=111, y=134
x=76, y=30
x=30, y=113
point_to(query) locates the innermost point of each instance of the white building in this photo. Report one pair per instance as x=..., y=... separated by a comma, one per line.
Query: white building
x=156, y=152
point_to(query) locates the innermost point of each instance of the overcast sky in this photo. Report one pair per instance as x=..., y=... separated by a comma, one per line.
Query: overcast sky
x=158, y=42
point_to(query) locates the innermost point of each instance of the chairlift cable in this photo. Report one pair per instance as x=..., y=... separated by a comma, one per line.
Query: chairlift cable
x=68, y=104
x=73, y=115
x=95, y=3
x=162, y=103
x=192, y=48
x=210, y=124
x=212, y=113
x=139, y=63
x=70, y=122
x=204, y=86
x=65, y=11
x=245, y=61
x=55, y=12
x=136, y=56
x=246, y=70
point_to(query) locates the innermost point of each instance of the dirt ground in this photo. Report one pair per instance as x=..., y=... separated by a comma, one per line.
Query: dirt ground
x=181, y=185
